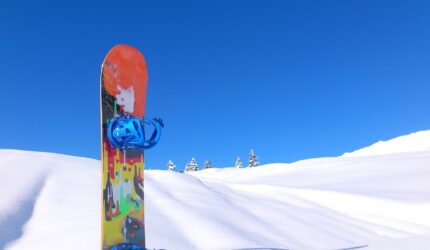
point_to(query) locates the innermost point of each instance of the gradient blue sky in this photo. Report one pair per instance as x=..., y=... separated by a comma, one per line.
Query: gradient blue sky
x=291, y=79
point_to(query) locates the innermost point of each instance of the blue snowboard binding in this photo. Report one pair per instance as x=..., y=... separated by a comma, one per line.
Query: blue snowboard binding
x=127, y=246
x=128, y=132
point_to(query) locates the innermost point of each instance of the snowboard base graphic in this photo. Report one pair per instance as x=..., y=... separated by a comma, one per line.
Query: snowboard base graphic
x=123, y=93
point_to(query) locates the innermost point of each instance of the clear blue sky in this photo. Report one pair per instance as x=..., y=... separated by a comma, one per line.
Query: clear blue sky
x=291, y=79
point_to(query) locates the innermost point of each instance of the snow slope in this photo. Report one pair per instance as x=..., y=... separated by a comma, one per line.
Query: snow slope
x=378, y=200
x=415, y=142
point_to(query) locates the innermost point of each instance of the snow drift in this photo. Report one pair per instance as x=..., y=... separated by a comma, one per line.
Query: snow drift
x=415, y=142
x=378, y=199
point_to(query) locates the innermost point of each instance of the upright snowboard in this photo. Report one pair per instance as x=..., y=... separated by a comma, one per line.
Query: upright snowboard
x=124, y=80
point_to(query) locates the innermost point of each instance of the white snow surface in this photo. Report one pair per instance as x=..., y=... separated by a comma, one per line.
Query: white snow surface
x=415, y=142
x=378, y=199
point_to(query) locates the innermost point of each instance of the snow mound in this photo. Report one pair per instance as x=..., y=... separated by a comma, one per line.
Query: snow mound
x=415, y=142
x=52, y=201
x=49, y=201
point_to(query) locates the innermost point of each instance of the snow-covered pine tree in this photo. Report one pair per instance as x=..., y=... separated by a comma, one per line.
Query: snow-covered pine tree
x=252, y=159
x=192, y=165
x=208, y=164
x=238, y=163
x=171, y=166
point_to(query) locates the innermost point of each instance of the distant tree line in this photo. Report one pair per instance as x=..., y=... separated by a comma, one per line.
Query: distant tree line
x=192, y=165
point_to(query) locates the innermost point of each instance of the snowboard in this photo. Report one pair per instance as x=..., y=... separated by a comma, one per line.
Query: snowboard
x=123, y=81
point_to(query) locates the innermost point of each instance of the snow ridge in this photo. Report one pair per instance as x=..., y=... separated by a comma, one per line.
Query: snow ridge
x=414, y=142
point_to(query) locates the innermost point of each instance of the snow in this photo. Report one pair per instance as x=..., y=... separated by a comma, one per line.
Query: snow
x=376, y=198
x=414, y=142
